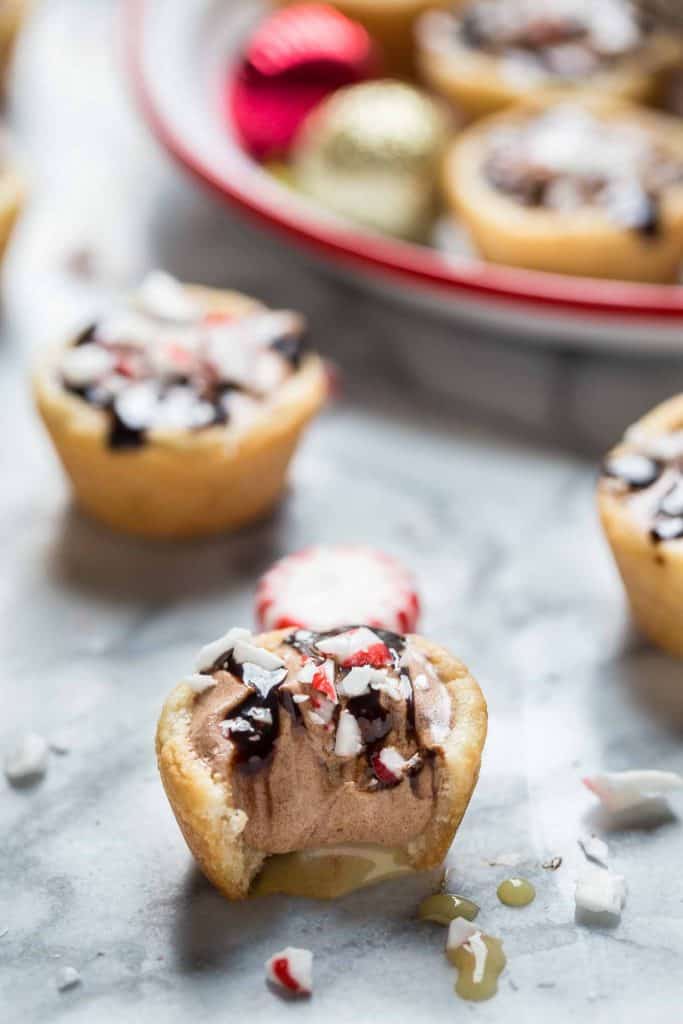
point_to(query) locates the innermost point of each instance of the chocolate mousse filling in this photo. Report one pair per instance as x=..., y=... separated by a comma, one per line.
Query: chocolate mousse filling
x=330, y=746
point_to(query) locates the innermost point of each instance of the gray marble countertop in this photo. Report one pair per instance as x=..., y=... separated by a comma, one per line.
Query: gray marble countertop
x=472, y=460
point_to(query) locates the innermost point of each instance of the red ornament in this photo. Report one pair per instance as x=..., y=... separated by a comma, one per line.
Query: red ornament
x=295, y=58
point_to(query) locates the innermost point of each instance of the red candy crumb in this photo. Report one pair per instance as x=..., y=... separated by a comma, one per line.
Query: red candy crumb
x=322, y=682
x=280, y=968
x=377, y=656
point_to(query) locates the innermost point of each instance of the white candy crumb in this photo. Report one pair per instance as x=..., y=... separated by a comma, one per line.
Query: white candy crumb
x=506, y=860
x=345, y=645
x=67, y=977
x=85, y=365
x=348, y=742
x=292, y=970
x=247, y=652
x=199, y=683
x=459, y=932
x=393, y=761
x=210, y=653
x=600, y=891
x=595, y=849
x=28, y=759
x=619, y=791
x=162, y=296
x=479, y=949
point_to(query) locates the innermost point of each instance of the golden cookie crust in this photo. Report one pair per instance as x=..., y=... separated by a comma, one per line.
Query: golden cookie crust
x=13, y=13
x=213, y=828
x=584, y=242
x=477, y=86
x=652, y=573
x=181, y=483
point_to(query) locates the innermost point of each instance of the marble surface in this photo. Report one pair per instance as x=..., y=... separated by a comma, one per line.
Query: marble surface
x=472, y=460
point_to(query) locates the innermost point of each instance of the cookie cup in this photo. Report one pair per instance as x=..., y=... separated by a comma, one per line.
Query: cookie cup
x=213, y=827
x=652, y=573
x=585, y=242
x=477, y=84
x=181, y=483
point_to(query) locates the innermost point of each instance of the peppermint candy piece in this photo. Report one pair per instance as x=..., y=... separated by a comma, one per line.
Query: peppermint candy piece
x=330, y=586
x=291, y=970
x=86, y=364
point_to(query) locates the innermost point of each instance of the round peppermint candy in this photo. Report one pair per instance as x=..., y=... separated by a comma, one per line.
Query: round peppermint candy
x=327, y=587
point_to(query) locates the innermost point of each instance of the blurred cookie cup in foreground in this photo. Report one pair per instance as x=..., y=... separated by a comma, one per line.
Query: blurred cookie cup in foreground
x=640, y=498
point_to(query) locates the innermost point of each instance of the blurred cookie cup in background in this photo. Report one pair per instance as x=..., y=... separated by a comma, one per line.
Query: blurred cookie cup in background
x=490, y=54
x=586, y=189
x=178, y=412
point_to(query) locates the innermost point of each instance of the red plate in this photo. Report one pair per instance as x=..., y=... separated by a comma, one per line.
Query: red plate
x=178, y=54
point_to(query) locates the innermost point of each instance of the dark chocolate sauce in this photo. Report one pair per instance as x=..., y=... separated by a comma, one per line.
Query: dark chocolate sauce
x=86, y=335
x=291, y=347
x=120, y=435
x=374, y=720
x=256, y=741
x=634, y=470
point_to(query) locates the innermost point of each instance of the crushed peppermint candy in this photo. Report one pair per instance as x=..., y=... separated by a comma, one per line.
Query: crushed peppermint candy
x=199, y=682
x=330, y=586
x=27, y=761
x=349, y=741
x=389, y=766
x=291, y=970
x=244, y=651
x=620, y=791
x=595, y=849
x=353, y=643
x=212, y=653
x=460, y=931
x=600, y=891
x=67, y=977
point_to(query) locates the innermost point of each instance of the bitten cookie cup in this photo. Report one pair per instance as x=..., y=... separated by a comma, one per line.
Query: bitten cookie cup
x=492, y=54
x=640, y=499
x=585, y=189
x=297, y=740
x=178, y=414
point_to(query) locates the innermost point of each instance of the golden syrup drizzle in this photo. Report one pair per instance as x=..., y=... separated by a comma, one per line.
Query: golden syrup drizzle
x=480, y=962
x=444, y=907
x=516, y=892
x=327, y=874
